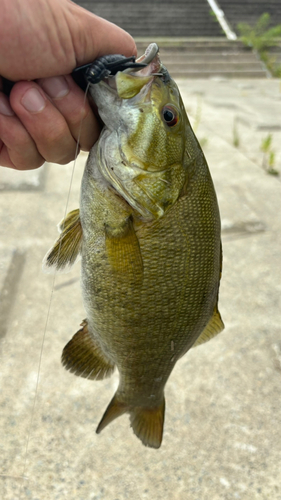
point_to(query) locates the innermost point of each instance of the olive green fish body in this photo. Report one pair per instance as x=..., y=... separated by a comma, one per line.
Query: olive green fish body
x=148, y=231
x=145, y=326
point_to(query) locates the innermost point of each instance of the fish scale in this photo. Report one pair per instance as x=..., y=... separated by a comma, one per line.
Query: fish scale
x=149, y=230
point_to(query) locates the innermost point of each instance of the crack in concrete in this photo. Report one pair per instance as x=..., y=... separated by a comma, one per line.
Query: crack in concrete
x=9, y=290
x=277, y=359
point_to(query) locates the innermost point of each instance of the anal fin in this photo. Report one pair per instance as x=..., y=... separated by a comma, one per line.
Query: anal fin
x=82, y=357
x=213, y=328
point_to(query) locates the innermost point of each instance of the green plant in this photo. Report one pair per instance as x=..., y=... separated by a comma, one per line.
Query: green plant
x=271, y=161
x=268, y=160
x=261, y=38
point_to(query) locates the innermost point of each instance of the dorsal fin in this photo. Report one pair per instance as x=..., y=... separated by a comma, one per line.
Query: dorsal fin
x=213, y=328
x=68, y=246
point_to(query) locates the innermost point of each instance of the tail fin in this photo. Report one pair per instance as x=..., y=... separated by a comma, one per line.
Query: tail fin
x=114, y=410
x=147, y=423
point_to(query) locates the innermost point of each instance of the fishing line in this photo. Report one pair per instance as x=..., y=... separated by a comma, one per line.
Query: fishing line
x=51, y=298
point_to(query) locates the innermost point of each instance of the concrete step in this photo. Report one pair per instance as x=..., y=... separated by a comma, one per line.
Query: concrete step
x=169, y=18
x=249, y=11
x=186, y=73
x=217, y=66
x=193, y=44
x=218, y=55
x=208, y=57
x=204, y=59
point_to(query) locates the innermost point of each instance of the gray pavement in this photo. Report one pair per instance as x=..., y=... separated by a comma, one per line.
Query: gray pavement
x=223, y=418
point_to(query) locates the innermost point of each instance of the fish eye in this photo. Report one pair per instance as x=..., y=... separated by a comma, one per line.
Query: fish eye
x=170, y=115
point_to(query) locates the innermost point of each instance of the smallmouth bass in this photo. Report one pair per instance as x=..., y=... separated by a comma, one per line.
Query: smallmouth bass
x=148, y=231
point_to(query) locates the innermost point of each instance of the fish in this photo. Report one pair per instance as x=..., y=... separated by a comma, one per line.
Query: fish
x=149, y=236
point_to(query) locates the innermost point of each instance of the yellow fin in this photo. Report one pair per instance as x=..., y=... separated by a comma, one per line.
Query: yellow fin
x=148, y=423
x=213, y=328
x=82, y=357
x=114, y=410
x=123, y=252
x=68, y=246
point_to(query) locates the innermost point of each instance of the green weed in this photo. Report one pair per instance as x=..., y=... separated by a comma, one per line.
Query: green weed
x=268, y=160
x=261, y=38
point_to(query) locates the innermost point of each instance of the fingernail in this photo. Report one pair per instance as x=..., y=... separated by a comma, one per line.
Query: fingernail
x=5, y=108
x=55, y=86
x=33, y=101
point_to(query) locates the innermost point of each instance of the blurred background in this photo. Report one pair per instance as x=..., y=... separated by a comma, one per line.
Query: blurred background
x=222, y=429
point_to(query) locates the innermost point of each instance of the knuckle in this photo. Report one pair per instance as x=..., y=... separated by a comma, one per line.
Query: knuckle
x=66, y=159
x=63, y=156
x=24, y=143
x=28, y=162
x=78, y=113
x=38, y=162
x=57, y=134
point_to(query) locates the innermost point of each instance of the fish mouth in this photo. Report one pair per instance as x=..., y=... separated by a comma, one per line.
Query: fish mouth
x=152, y=60
x=153, y=68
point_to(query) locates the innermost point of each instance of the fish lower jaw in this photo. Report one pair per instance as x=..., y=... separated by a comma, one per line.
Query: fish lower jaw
x=110, y=83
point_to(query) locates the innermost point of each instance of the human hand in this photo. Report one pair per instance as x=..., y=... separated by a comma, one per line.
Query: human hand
x=41, y=120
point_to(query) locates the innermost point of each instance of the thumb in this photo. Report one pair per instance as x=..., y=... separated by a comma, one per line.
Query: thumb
x=93, y=37
x=58, y=36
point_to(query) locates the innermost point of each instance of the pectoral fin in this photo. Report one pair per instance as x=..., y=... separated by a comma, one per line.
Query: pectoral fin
x=83, y=357
x=123, y=252
x=68, y=246
x=213, y=328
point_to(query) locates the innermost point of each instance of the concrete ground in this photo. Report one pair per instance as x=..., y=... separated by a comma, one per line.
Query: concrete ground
x=223, y=418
